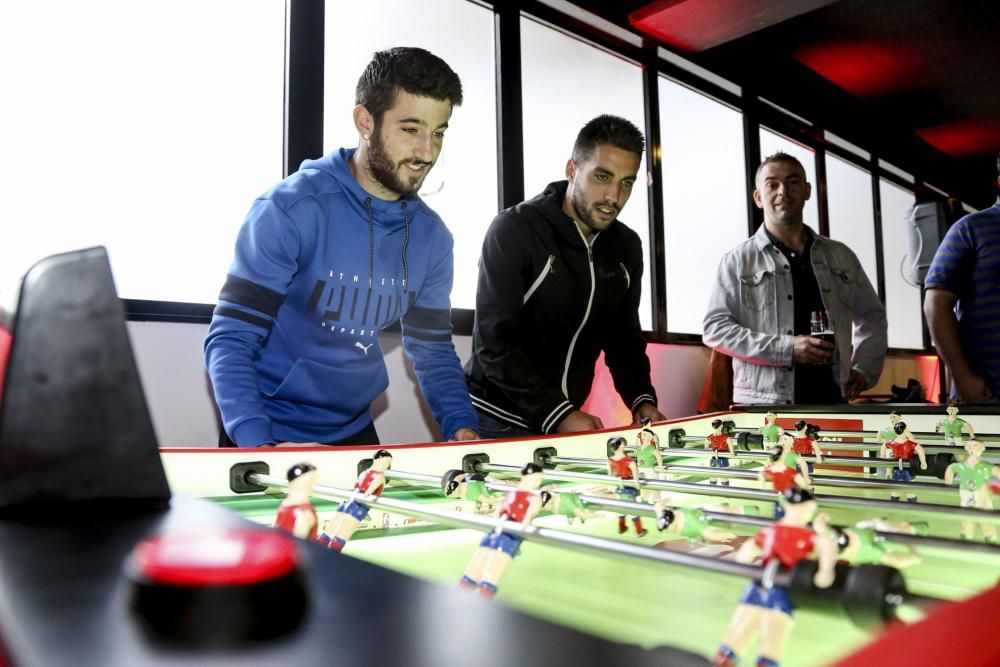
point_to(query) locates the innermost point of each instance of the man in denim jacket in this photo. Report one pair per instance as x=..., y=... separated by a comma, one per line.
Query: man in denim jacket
x=767, y=291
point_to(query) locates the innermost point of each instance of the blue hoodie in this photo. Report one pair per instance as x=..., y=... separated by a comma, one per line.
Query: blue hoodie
x=321, y=267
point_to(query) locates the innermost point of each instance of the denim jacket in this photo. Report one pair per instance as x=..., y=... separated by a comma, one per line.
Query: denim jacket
x=751, y=317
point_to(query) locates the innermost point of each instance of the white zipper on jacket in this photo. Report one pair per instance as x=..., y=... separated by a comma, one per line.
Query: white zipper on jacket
x=590, y=303
x=538, y=281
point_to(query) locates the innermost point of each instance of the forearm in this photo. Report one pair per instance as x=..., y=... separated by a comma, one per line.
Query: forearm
x=442, y=383
x=943, y=326
x=229, y=358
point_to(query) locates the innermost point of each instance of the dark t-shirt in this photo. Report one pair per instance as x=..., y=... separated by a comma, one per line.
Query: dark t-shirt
x=813, y=383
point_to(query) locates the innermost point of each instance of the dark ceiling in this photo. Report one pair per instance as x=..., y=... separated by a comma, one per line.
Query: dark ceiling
x=917, y=81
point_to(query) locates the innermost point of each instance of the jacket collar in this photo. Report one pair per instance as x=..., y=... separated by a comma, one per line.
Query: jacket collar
x=763, y=240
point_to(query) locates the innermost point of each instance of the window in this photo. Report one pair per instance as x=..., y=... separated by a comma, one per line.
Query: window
x=704, y=196
x=567, y=82
x=462, y=187
x=902, y=299
x=148, y=127
x=852, y=217
x=771, y=143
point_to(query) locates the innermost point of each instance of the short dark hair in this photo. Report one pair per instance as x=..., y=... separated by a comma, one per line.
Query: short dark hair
x=796, y=495
x=382, y=453
x=716, y=423
x=298, y=470
x=608, y=129
x=415, y=71
x=899, y=428
x=531, y=469
x=780, y=156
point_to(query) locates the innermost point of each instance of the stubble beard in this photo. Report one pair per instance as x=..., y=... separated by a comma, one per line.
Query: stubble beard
x=586, y=213
x=386, y=172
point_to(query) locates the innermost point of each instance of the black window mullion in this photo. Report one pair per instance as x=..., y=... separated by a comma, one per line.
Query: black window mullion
x=510, y=120
x=656, y=257
x=305, y=25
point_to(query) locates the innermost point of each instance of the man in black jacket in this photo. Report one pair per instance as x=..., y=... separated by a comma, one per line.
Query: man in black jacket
x=559, y=281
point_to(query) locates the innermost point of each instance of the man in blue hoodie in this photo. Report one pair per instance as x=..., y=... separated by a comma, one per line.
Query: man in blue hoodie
x=331, y=256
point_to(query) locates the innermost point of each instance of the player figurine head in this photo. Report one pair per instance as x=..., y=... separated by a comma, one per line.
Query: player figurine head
x=301, y=477
x=952, y=409
x=770, y=417
x=531, y=476
x=382, y=460
x=664, y=519
x=299, y=469
x=899, y=428
x=451, y=481
x=616, y=446
x=646, y=437
x=801, y=425
x=717, y=425
x=799, y=505
x=975, y=448
x=645, y=422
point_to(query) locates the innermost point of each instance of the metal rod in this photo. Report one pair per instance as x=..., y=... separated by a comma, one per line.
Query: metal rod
x=949, y=511
x=535, y=533
x=817, y=480
x=921, y=435
x=827, y=460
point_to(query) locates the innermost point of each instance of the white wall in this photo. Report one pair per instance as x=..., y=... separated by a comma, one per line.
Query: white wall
x=171, y=365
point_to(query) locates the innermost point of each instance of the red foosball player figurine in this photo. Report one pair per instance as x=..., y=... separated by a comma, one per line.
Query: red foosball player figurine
x=351, y=513
x=719, y=442
x=296, y=514
x=901, y=449
x=497, y=549
x=804, y=442
x=781, y=476
x=622, y=466
x=765, y=609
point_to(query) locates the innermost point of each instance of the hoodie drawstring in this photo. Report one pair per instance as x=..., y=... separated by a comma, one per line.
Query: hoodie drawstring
x=406, y=242
x=371, y=244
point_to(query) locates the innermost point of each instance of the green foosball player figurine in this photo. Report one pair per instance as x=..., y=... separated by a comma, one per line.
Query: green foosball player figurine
x=861, y=544
x=567, y=503
x=974, y=477
x=770, y=431
x=953, y=426
x=648, y=458
x=689, y=522
x=471, y=487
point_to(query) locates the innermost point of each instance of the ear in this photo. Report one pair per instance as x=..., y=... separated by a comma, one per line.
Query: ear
x=570, y=170
x=757, y=198
x=809, y=191
x=364, y=122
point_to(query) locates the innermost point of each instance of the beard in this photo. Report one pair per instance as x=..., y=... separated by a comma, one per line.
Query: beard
x=386, y=172
x=585, y=211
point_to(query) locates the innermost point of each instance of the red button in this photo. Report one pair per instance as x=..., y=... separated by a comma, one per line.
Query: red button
x=216, y=557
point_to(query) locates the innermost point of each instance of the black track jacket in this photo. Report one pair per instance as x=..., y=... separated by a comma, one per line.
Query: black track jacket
x=546, y=305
